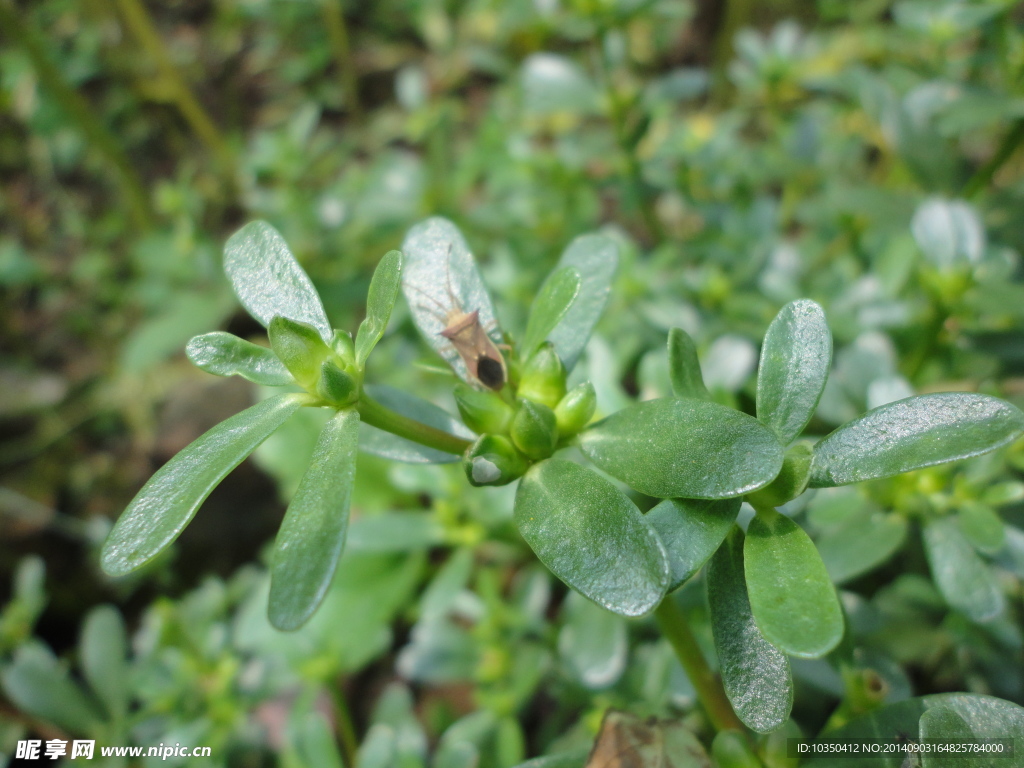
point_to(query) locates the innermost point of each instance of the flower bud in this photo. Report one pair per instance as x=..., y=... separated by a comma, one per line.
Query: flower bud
x=576, y=409
x=483, y=412
x=299, y=347
x=493, y=460
x=543, y=377
x=335, y=386
x=789, y=483
x=534, y=430
x=344, y=347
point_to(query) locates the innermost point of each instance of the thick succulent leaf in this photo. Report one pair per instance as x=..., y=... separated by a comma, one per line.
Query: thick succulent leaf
x=791, y=596
x=313, y=739
x=982, y=526
x=103, y=651
x=312, y=534
x=590, y=535
x=441, y=277
x=795, y=360
x=389, y=446
x=299, y=348
x=755, y=673
x=986, y=717
x=913, y=433
x=684, y=367
x=948, y=232
x=167, y=503
x=595, y=257
x=964, y=579
x=380, y=300
x=39, y=686
x=575, y=759
x=553, y=301
x=269, y=281
x=684, y=448
x=593, y=642
x=224, y=354
x=395, y=532
x=691, y=530
x=861, y=543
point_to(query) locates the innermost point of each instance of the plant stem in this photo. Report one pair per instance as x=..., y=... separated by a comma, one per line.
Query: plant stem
x=141, y=25
x=81, y=112
x=337, y=31
x=346, y=731
x=674, y=626
x=377, y=415
x=984, y=175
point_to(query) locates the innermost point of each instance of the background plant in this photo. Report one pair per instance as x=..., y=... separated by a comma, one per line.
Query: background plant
x=822, y=160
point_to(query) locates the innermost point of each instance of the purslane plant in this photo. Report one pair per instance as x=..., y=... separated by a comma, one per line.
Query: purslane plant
x=771, y=596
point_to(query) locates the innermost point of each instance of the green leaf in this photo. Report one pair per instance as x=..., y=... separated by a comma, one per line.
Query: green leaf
x=389, y=446
x=441, y=277
x=795, y=361
x=300, y=348
x=793, y=601
x=312, y=534
x=103, y=650
x=691, y=530
x=166, y=504
x=790, y=482
x=948, y=232
x=574, y=759
x=861, y=543
x=379, y=748
x=315, y=741
x=683, y=448
x=395, y=532
x=684, y=367
x=913, y=433
x=40, y=687
x=592, y=642
x=731, y=750
x=595, y=258
x=445, y=588
x=981, y=526
x=224, y=354
x=379, y=302
x=986, y=716
x=755, y=673
x=269, y=281
x=964, y=579
x=577, y=523
x=947, y=724
x=554, y=299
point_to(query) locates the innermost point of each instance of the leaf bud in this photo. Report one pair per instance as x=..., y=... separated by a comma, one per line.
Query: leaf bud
x=483, y=411
x=299, y=347
x=534, y=430
x=576, y=409
x=493, y=460
x=543, y=377
x=335, y=386
x=789, y=483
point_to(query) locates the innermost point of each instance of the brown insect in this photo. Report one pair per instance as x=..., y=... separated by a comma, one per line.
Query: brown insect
x=468, y=337
x=626, y=741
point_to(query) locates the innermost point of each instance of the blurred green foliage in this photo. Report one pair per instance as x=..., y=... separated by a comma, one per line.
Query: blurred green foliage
x=742, y=154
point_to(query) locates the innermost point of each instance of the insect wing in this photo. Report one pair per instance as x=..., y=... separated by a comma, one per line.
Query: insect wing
x=625, y=741
x=440, y=282
x=483, y=361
